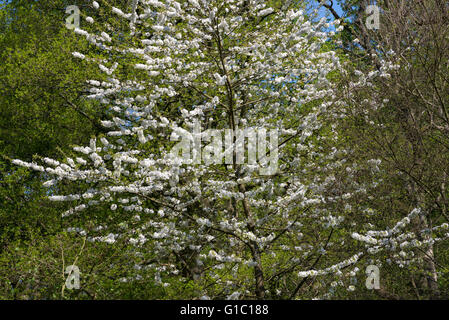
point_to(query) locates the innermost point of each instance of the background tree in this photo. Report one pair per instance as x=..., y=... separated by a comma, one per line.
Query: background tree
x=402, y=120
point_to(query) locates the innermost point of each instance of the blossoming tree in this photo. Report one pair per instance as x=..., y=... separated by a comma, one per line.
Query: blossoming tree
x=244, y=227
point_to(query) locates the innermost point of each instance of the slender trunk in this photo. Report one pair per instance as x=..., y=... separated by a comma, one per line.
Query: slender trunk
x=430, y=278
x=258, y=273
x=255, y=250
